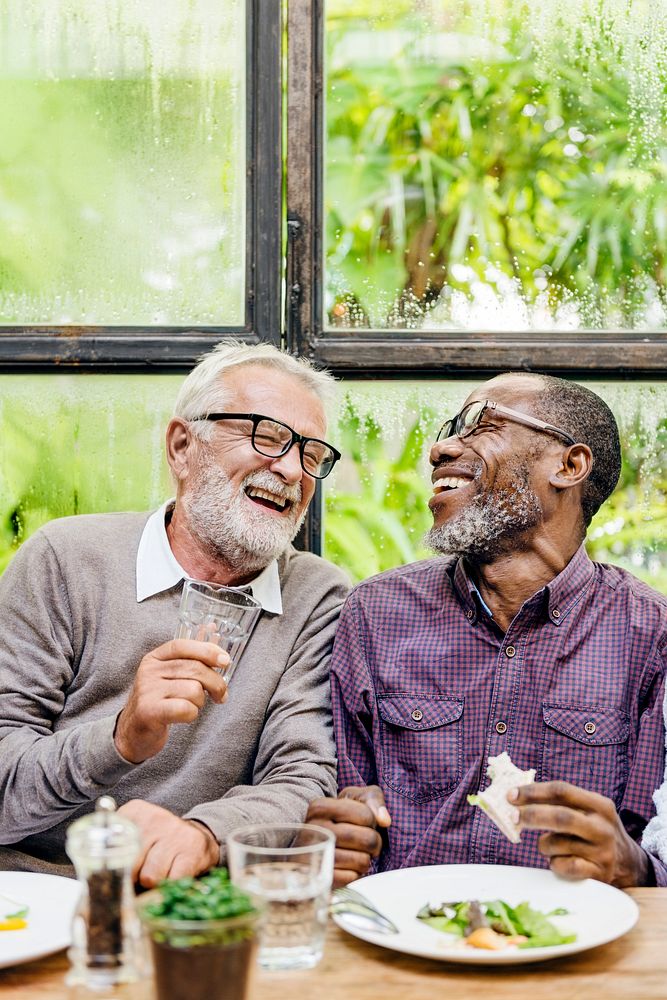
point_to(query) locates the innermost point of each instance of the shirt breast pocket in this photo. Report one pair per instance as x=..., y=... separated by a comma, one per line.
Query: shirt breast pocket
x=587, y=746
x=422, y=744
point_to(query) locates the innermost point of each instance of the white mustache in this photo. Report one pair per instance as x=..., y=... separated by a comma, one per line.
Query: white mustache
x=265, y=480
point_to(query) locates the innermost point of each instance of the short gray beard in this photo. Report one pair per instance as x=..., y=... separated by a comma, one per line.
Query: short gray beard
x=492, y=523
x=221, y=519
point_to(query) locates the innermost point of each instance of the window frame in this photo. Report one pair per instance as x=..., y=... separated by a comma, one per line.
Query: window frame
x=51, y=348
x=398, y=353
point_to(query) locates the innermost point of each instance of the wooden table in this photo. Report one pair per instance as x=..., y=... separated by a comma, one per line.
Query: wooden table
x=632, y=968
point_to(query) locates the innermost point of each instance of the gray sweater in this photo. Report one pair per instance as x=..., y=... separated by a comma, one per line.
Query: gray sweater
x=71, y=638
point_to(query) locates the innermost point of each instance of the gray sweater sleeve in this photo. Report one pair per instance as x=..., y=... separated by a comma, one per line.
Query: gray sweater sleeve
x=295, y=762
x=44, y=775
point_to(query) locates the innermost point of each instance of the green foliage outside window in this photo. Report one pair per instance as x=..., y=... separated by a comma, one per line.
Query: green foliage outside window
x=75, y=445
x=497, y=165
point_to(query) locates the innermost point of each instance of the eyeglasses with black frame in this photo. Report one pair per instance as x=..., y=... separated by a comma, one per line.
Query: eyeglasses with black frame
x=272, y=439
x=470, y=417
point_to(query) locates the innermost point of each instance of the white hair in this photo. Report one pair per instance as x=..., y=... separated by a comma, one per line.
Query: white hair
x=204, y=392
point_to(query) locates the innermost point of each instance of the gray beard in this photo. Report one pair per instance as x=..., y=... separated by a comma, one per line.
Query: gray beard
x=244, y=539
x=491, y=524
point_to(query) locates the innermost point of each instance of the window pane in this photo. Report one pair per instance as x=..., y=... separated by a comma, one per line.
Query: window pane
x=122, y=167
x=494, y=165
x=97, y=444
x=93, y=444
x=376, y=510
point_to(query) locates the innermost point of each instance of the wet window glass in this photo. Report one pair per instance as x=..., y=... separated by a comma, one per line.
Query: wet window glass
x=122, y=167
x=97, y=444
x=494, y=165
x=376, y=512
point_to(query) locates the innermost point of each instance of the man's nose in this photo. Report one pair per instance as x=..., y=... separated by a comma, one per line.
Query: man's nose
x=288, y=466
x=451, y=447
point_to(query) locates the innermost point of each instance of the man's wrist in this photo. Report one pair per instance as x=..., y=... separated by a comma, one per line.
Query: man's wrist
x=212, y=842
x=639, y=872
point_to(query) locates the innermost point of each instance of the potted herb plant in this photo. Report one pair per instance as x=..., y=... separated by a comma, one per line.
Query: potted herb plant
x=203, y=934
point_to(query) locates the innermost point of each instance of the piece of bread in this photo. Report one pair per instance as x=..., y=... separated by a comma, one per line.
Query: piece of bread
x=493, y=800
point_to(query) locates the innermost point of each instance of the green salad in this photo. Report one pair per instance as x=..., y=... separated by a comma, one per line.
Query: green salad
x=493, y=924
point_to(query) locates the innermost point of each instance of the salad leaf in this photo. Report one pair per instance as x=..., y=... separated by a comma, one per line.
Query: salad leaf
x=502, y=918
x=522, y=921
x=11, y=909
x=539, y=930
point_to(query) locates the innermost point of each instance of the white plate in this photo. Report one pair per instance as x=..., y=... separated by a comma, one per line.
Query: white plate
x=597, y=912
x=52, y=901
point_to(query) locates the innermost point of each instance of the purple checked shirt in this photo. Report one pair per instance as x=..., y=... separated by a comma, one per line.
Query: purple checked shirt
x=426, y=688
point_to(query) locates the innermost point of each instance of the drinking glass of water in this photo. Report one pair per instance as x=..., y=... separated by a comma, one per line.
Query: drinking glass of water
x=214, y=613
x=289, y=868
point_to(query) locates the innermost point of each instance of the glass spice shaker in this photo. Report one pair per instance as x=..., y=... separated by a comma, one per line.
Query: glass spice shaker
x=107, y=946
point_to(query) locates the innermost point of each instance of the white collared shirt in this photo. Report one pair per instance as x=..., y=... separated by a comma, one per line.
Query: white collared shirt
x=158, y=569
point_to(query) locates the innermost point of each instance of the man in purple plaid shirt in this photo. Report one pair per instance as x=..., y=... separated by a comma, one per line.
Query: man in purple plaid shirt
x=516, y=642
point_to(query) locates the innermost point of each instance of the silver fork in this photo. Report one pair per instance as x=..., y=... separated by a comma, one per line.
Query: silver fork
x=352, y=904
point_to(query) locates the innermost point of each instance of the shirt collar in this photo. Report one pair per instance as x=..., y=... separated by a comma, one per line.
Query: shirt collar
x=566, y=589
x=558, y=597
x=159, y=570
x=466, y=591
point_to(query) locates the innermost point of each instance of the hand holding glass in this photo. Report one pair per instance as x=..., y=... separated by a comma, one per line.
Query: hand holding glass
x=211, y=612
x=289, y=869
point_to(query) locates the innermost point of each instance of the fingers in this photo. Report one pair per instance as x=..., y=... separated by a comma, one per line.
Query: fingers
x=574, y=868
x=584, y=836
x=357, y=862
x=341, y=810
x=208, y=679
x=373, y=797
x=560, y=807
x=170, y=846
x=553, y=845
x=193, y=649
x=562, y=793
x=170, y=686
x=344, y=877
x=354, y=826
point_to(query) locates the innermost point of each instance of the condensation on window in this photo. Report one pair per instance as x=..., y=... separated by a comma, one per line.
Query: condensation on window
x=81, y=444
x=376, y=500
x=494, y=165
x=122, y=167
x=73, y=444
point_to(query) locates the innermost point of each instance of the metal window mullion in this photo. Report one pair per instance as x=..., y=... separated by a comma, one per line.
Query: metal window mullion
x=305, y=59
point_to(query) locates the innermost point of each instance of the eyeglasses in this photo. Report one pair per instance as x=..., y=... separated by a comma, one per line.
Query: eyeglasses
x=470, y=417
x=272, y=439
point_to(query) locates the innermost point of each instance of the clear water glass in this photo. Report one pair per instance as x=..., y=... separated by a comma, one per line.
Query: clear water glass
x=211, y=612
x=289, y=870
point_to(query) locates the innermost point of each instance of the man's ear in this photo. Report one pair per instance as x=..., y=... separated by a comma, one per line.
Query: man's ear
x=575, y=467
x=179, y=442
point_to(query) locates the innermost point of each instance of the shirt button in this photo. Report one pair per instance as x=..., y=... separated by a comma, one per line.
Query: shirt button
x=501, y=727
x=555, y=614
x=510, y=651
x=418, y=715
x=590, y=728
x=470, y=614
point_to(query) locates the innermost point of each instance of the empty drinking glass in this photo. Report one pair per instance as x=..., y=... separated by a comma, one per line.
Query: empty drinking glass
x=215, y=613
x=289, y=869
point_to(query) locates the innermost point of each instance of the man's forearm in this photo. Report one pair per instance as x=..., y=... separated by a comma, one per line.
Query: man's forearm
x=46, y=778
x=275, y=801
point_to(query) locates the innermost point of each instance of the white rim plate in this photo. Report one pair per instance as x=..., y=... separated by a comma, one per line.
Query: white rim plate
x=598, y=913
x=52, y=901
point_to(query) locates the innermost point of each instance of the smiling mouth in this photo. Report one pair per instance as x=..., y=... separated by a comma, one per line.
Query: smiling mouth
x=264, y=498
x=449, y=483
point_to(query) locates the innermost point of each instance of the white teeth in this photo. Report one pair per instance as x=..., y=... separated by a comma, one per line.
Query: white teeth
x=452, y=482
x=254, y=491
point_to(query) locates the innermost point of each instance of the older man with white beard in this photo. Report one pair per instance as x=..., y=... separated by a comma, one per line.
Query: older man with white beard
x=95, y=694
x=515, y=643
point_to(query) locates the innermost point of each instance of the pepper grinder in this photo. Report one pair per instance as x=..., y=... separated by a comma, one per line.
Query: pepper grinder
x=107, y=946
